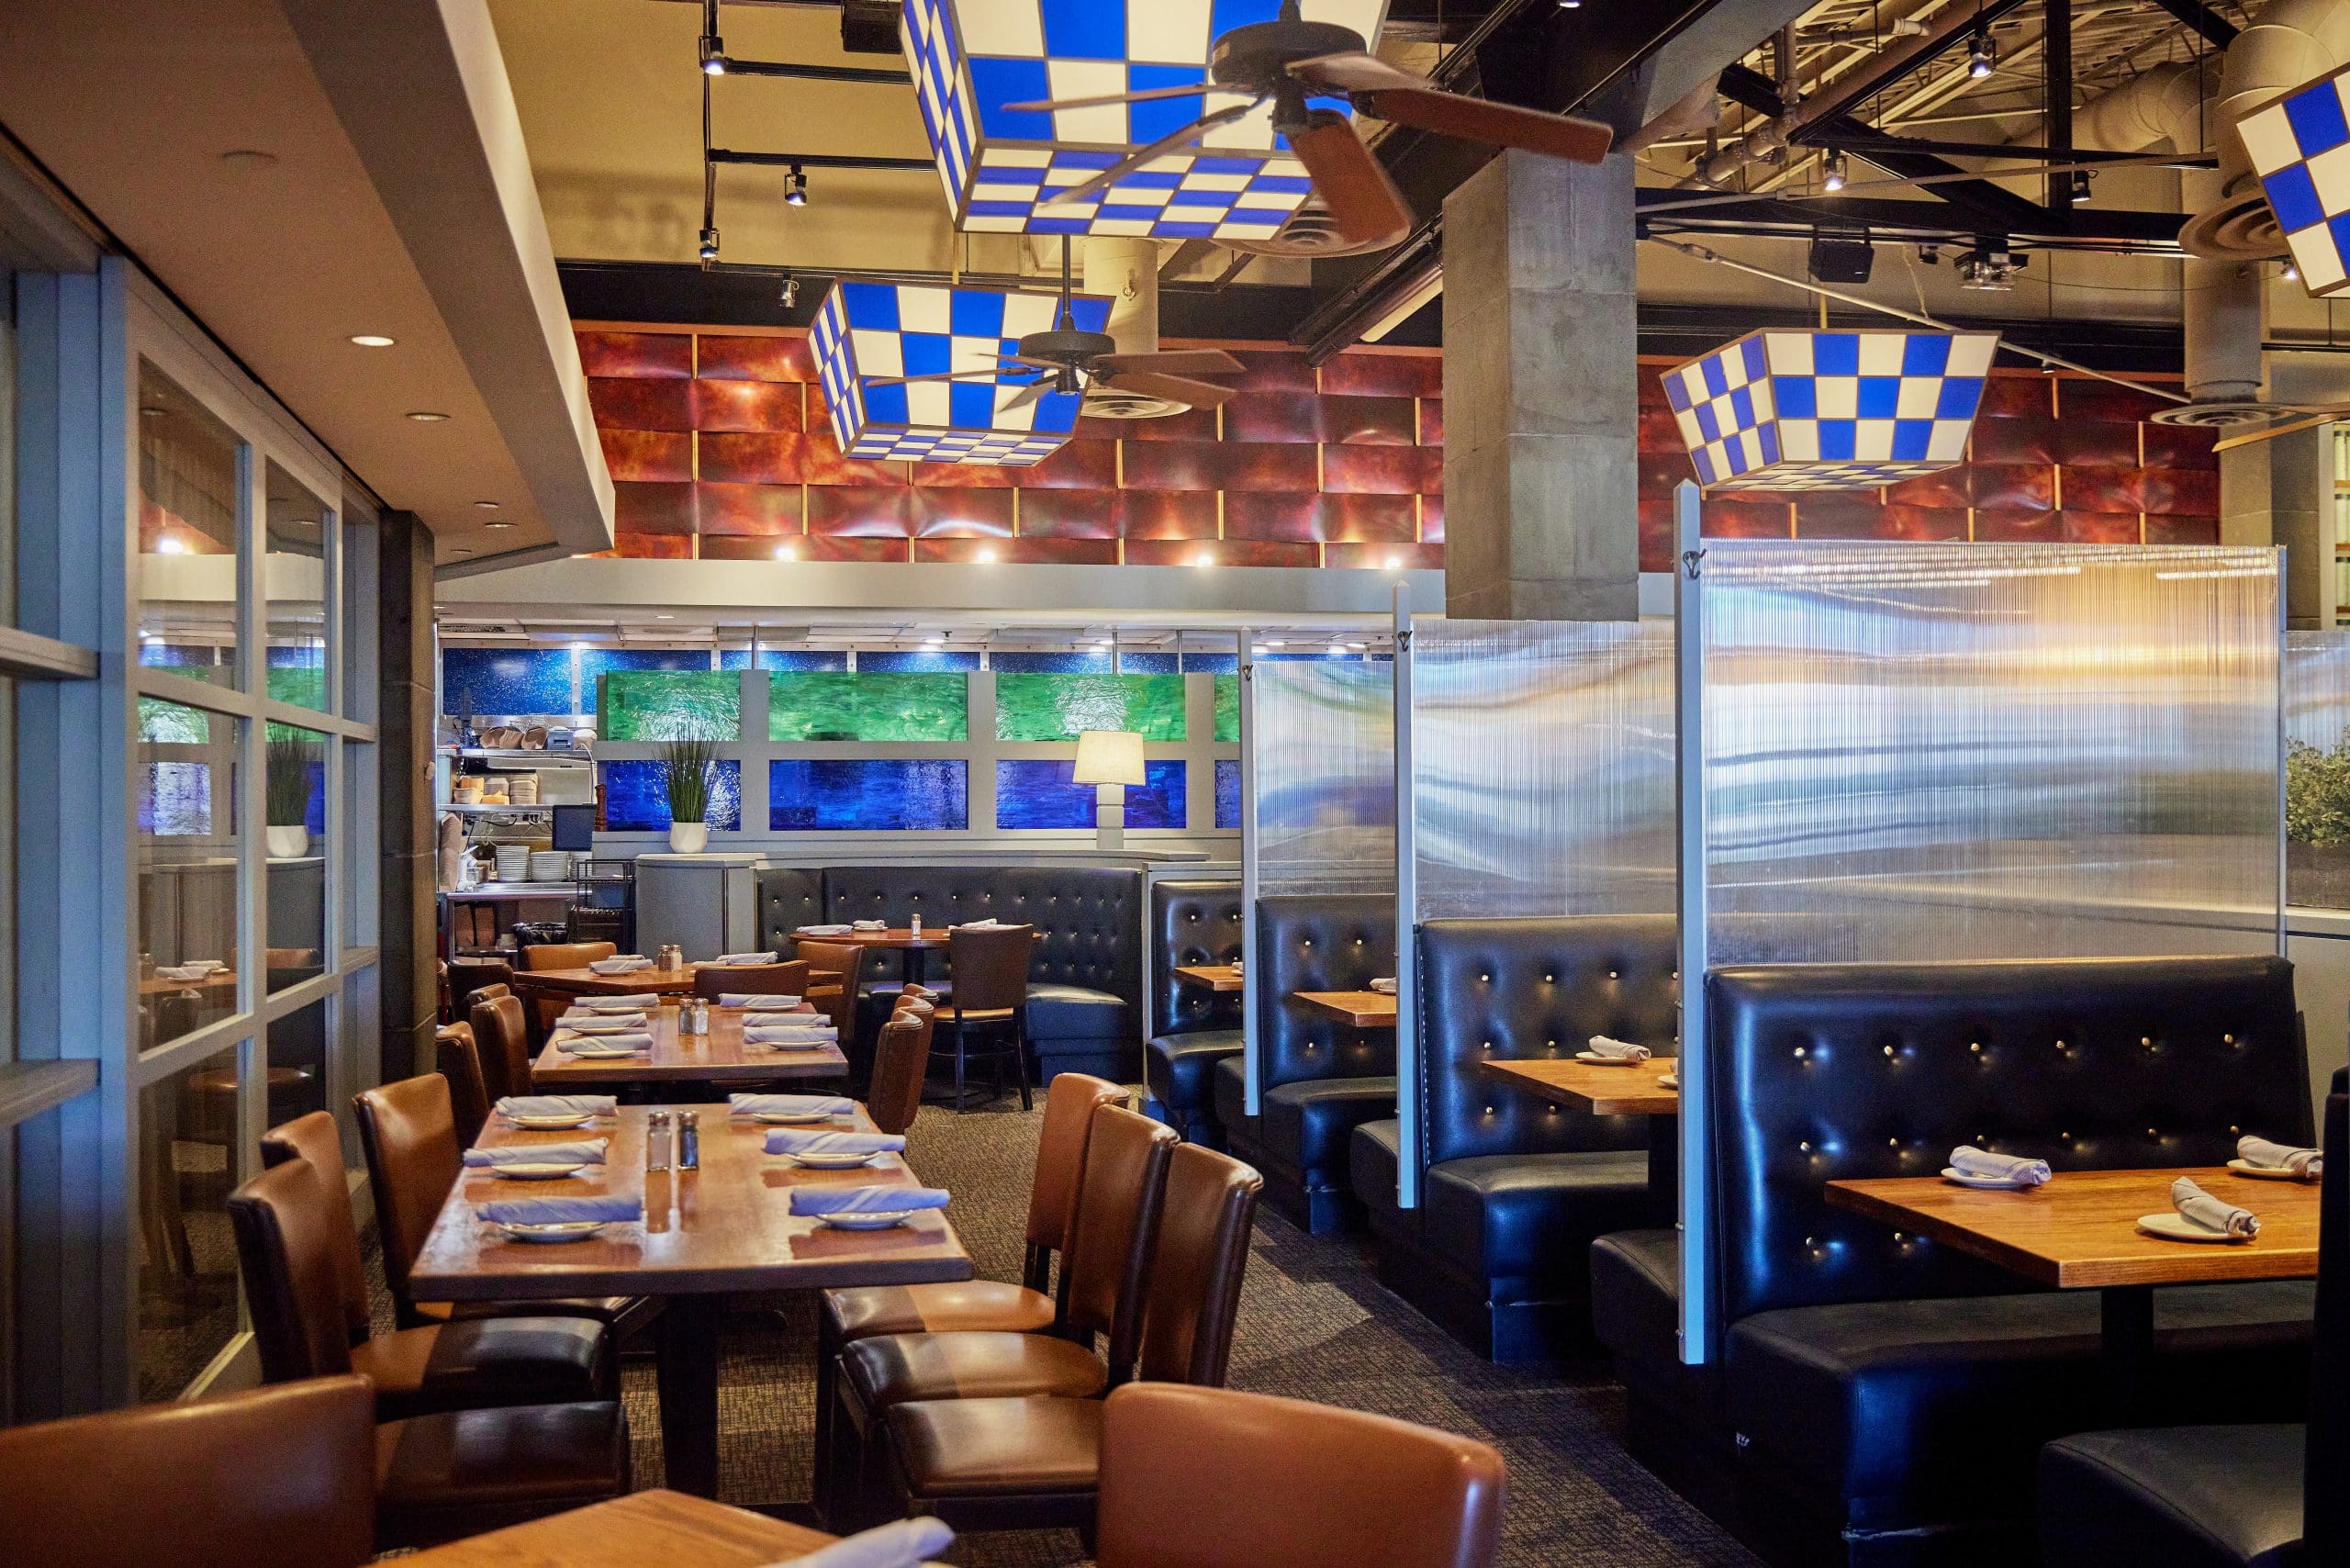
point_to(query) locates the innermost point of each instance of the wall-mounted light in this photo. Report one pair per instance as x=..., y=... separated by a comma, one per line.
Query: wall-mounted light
x=795, y=186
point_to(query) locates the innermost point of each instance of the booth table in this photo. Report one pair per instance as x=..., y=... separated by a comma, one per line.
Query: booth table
x=720, y=1057
x=724, y=1229
x=900, y=939
x=627, y=1532
x=1632, y=1091
x=588, y=982
x=2078, y=1233
x=1224, y=980
x=1356, y=1009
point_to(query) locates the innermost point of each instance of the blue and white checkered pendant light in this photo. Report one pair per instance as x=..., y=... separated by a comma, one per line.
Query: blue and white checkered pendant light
x=865, y=330
x=2300, y=148
x=1830, y=411
x=972, y=57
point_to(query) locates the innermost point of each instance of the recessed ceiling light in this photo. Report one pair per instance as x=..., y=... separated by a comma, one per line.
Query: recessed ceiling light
x=372, y=340
x=426, y=417
x=497, y=523
x=153, y=410
x=664, y=618
x=1395, y=563
x=249, y=158
x=1204, y=559
x=461, y=550
x=486, y=506
x=787, y=552
x=1358, y=647
x=935, y=640
x=1274, y=642
x=986, y=556
x=167, y=545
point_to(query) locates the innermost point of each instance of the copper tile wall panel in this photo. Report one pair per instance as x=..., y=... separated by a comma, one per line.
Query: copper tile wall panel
x=2018, y=397
x=1432, y=519
x=724, y=356
x=2180, y=491
x=2181, y=530
x=831, y=547
x=859, y=511
x=1388, y=375
x=1946, y=488
x=1382, y=470
x=641, y=403
x=1078, y=465
x=1274, y=370
x=956, y=513
x=962, y=476
x=1291, y=517
x=738, y=458
x=1167, y=514
x=635, y=353
x=652, y=509
x=1377, y=520
x=2098, y=490
x=1053, y=552
x=746, y=406
x=1273, y=416
x=1656, y=529
x=1367, y=421
x=2014, y=440
x=647, y=454
x=1742, y=519
x=2011, y=485
x=654, y=546
x=2101, y=527
x=1431, y=422
x=2101, y=401
x=2178, y=446
x=1382, y=557
x=1227, y=553
x=753, y=510
x=1068, y=514
x=745, y=547
x=2096, y=444
x=1221, y=465
x=2019, y=525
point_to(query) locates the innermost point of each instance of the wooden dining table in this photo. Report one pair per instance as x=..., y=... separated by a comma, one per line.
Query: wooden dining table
x=707, y=1234
x=1633, y=1090
x=644, y=1528
x=1356, y=1009
x=899, y=939
x=2078, y=1231
x=588, y=982
x=1224, y=980
x=720, y=1057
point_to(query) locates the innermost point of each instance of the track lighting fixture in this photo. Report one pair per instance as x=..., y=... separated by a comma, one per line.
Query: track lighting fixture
x=1834, y=178
x=1981, y=53
x=714, y=55
x=795, y=187
x=708, y=250
x=790, y=293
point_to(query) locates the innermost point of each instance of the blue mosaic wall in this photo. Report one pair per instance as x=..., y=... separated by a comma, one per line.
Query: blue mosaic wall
x=636, y=799
x=176, y=799
x=1032, y=793
x=1063, y=664
x=1227, y=792
x=506, y=680
x=868, y=794
x=917, y=659
x=782, y=659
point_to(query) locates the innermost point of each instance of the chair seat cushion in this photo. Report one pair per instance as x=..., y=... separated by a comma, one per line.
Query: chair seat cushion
x=1178, y=1068
x=2179, y=1496
x=1231, y=1096
x=895, y=1368
x=979, y=1448
x=1945, y=1400
x=486, y=1361
x=963, y=1305
x=1636, y=1314
x=1524, y=1215
x=1374, y=1153
x=438, y=1477
x=1307, y=1122
x=1075, y=1012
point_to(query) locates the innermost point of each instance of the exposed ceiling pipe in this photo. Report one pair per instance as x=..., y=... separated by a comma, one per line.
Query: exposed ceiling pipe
x=2293, y=42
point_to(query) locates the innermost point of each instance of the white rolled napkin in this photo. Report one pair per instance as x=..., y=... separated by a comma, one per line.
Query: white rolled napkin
x=790, y=1105
x=1617, y=1050
x=626, y=965
x=796, y=1140
x=586, y=1151
x=635, y=1001
x=1386, y=986
x=603, y=1044
x=737, y=960
x=590, y=1022
x=2309, y=1164
x=905, y=1544
x=989, y=924
x=781, y=1037
x=768, y=1001
x=775, y=1018
x=835, y=930
x=869, y=925
x=2199, y=1208
x=1969, y=1161
x=513, y=1105
x=865, y=1199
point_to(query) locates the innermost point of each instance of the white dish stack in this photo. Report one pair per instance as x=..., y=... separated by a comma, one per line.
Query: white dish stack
x=513, y=862
x=550, y=866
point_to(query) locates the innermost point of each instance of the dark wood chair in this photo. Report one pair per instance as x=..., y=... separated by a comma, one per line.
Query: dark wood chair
x=566, y=955
x=456, y=1056
x=990, y=996
x=900, y=1059
x=504, y=1046
x=787, y=979
x=469, y=975
x=835, y=973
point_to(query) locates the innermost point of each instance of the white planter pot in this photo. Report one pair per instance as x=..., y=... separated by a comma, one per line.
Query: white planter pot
x=688, y=838
x=288, y=843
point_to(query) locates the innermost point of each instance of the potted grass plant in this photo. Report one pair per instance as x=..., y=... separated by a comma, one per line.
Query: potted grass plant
x=2317, y=823
x=689, y=769
x=287, y=804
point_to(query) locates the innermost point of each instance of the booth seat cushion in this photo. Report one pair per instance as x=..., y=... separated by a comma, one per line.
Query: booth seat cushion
x=1899, y=1404
x=1374, y=1152
x=1636, y=1314
x=1532, y=1215
x=1075, y=1012
x=2179, y=1496
x=1180, y=1069
x=1308, y=1124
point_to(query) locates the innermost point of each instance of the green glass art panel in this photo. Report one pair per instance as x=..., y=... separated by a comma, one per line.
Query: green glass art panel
x=1053, y=706
x=304, y=685
x=1228, y=708
x=168, y=723
x=868, y=705
x=670, y=704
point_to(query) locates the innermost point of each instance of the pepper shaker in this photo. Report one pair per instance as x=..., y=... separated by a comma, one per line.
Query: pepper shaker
x=656, y=1141
x=689, y=1140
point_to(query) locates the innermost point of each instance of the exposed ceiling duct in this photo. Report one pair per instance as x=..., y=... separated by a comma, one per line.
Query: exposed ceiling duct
x=2293, y=42
x=1126, y=272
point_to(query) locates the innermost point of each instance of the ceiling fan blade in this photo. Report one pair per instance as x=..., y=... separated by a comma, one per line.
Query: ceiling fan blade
x=1353, y=73
x=1361, y=198
x=935, y=375
x=1178, y=362
x=1172, y=140
x=1153, y=94
x=1482, y=120
x=1033, y=392
x=1174, y=388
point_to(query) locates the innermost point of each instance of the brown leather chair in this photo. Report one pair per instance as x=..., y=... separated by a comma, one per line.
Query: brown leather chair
x=787, y=979
x=991, y=994
x=443, y=1366
x=280, y=1477
x=900, y=1056
x=836, y=998
x=467, y=976
x=408, y=1133
x=566, y=955
x=1112, y=1236
x=504, y=1044
x=438, y=1475
x=1029, y=1463
x=457, y=1058
x=1298, y=1485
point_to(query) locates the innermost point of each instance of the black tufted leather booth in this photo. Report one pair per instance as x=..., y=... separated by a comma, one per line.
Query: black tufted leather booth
x=1190, y=922
x=1085, y=984
x=1884, y=1396
x=1516, y=1189
x=1321, y=1079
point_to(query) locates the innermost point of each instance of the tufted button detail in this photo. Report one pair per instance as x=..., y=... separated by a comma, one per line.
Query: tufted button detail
x=1976, y=1048
x=1805, y=1145
x=1800, y=1053
x=1611, y=974
x=1888, y=1050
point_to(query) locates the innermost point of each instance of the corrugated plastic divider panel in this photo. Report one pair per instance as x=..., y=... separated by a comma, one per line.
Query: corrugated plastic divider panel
x=2317, y=768
x=1038, y=792
x=636, y=797
x=668, y=705
x=1040, y=706
x=1227, y=707
x=1933, y=752
x=1543, y=769
x=869, y=795
x=1325, y=777
x=868, y=705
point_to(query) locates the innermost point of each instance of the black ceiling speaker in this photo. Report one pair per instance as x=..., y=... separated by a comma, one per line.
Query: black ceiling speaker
x=1841, y=261
x=869, y=26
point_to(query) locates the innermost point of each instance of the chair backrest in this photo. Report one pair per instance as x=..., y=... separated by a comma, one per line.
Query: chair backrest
x=991, y=967
x=1821, y=1072
x=1090, y=917
x=1514, y=990
x=286, y=1249
x=279, y=1477
x=566, y=955
x=1114, y=1222
x=834, y=998
x=1193, y=1297
x=503, y=1043
x=456, y=1056
x=408, y=1133
x=315, y=1137
x=1298, y=1485
x=467, y=976
x=901, y=1055
x=1070, y=1101
x=1320, y=942
x=2325, y=1493
x=1192, y=922
x=787, y=979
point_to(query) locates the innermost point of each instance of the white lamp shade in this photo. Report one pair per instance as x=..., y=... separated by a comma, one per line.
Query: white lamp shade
x=1108, y=756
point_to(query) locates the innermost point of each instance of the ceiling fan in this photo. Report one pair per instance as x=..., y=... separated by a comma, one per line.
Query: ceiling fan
x=1289, y=59
x=1065, y=359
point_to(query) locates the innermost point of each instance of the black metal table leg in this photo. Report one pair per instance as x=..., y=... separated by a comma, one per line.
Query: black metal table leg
x=686, y=1374
x=1664, y=1165
x=2127, y=1345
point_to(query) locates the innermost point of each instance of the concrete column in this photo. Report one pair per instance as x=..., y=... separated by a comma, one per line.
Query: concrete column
x=405, y=716
x=2281, y=492
x=1540, y=458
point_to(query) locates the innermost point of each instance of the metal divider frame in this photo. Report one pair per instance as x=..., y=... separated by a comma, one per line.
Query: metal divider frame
x=1410, y=1111
x=1696, y=1109
x=1252, y=1093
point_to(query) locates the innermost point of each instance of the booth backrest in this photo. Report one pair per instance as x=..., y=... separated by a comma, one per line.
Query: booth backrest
x=1192, y=922
x=1320, y=942
x=1821, y=1072
x=1499, y=990
x=789, y=897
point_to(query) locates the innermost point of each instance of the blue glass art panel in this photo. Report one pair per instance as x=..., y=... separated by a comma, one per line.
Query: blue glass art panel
x=505, y=681
x=176, y=799
x=194, y=660
x=1053, y=664
x=869, y=795
x=1211, y=664
x=916, y=659
x=783, y=658
x=636, y=797
x=1227, y=792
x=594, y=662
x=1036, y=794
x=1152, y=663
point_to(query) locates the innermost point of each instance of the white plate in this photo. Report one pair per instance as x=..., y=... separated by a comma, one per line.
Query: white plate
x=881, y=1219
x=574, y=1230
x=791, y=1118
x=2178, y=1227
x=519, y=1172
x=1984, y=1183
x=580, y=1053
x=550, y=1123
x=2265, y=1173
x=833, y=1161
x=1597, y=1060
x=619, y=1025
x=785, y=1045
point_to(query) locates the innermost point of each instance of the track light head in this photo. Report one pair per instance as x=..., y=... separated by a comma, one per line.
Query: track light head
x=795, y=187
x=1834, y=178
x=708, y=249
x=714, y=55
x=790, y=293
x=1981, y=53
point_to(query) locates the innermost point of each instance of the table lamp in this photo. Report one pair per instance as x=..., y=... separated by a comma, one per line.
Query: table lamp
x=1108, y=760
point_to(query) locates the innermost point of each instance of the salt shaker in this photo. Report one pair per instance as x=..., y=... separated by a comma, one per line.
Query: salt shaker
x=689, y=1140
x=656, y=1141
x=913, y=926
x=701, y=1017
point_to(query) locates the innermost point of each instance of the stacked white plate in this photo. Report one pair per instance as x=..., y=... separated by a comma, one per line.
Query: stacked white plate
x=550, y=865
x=522, y=788
x=513, y=862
